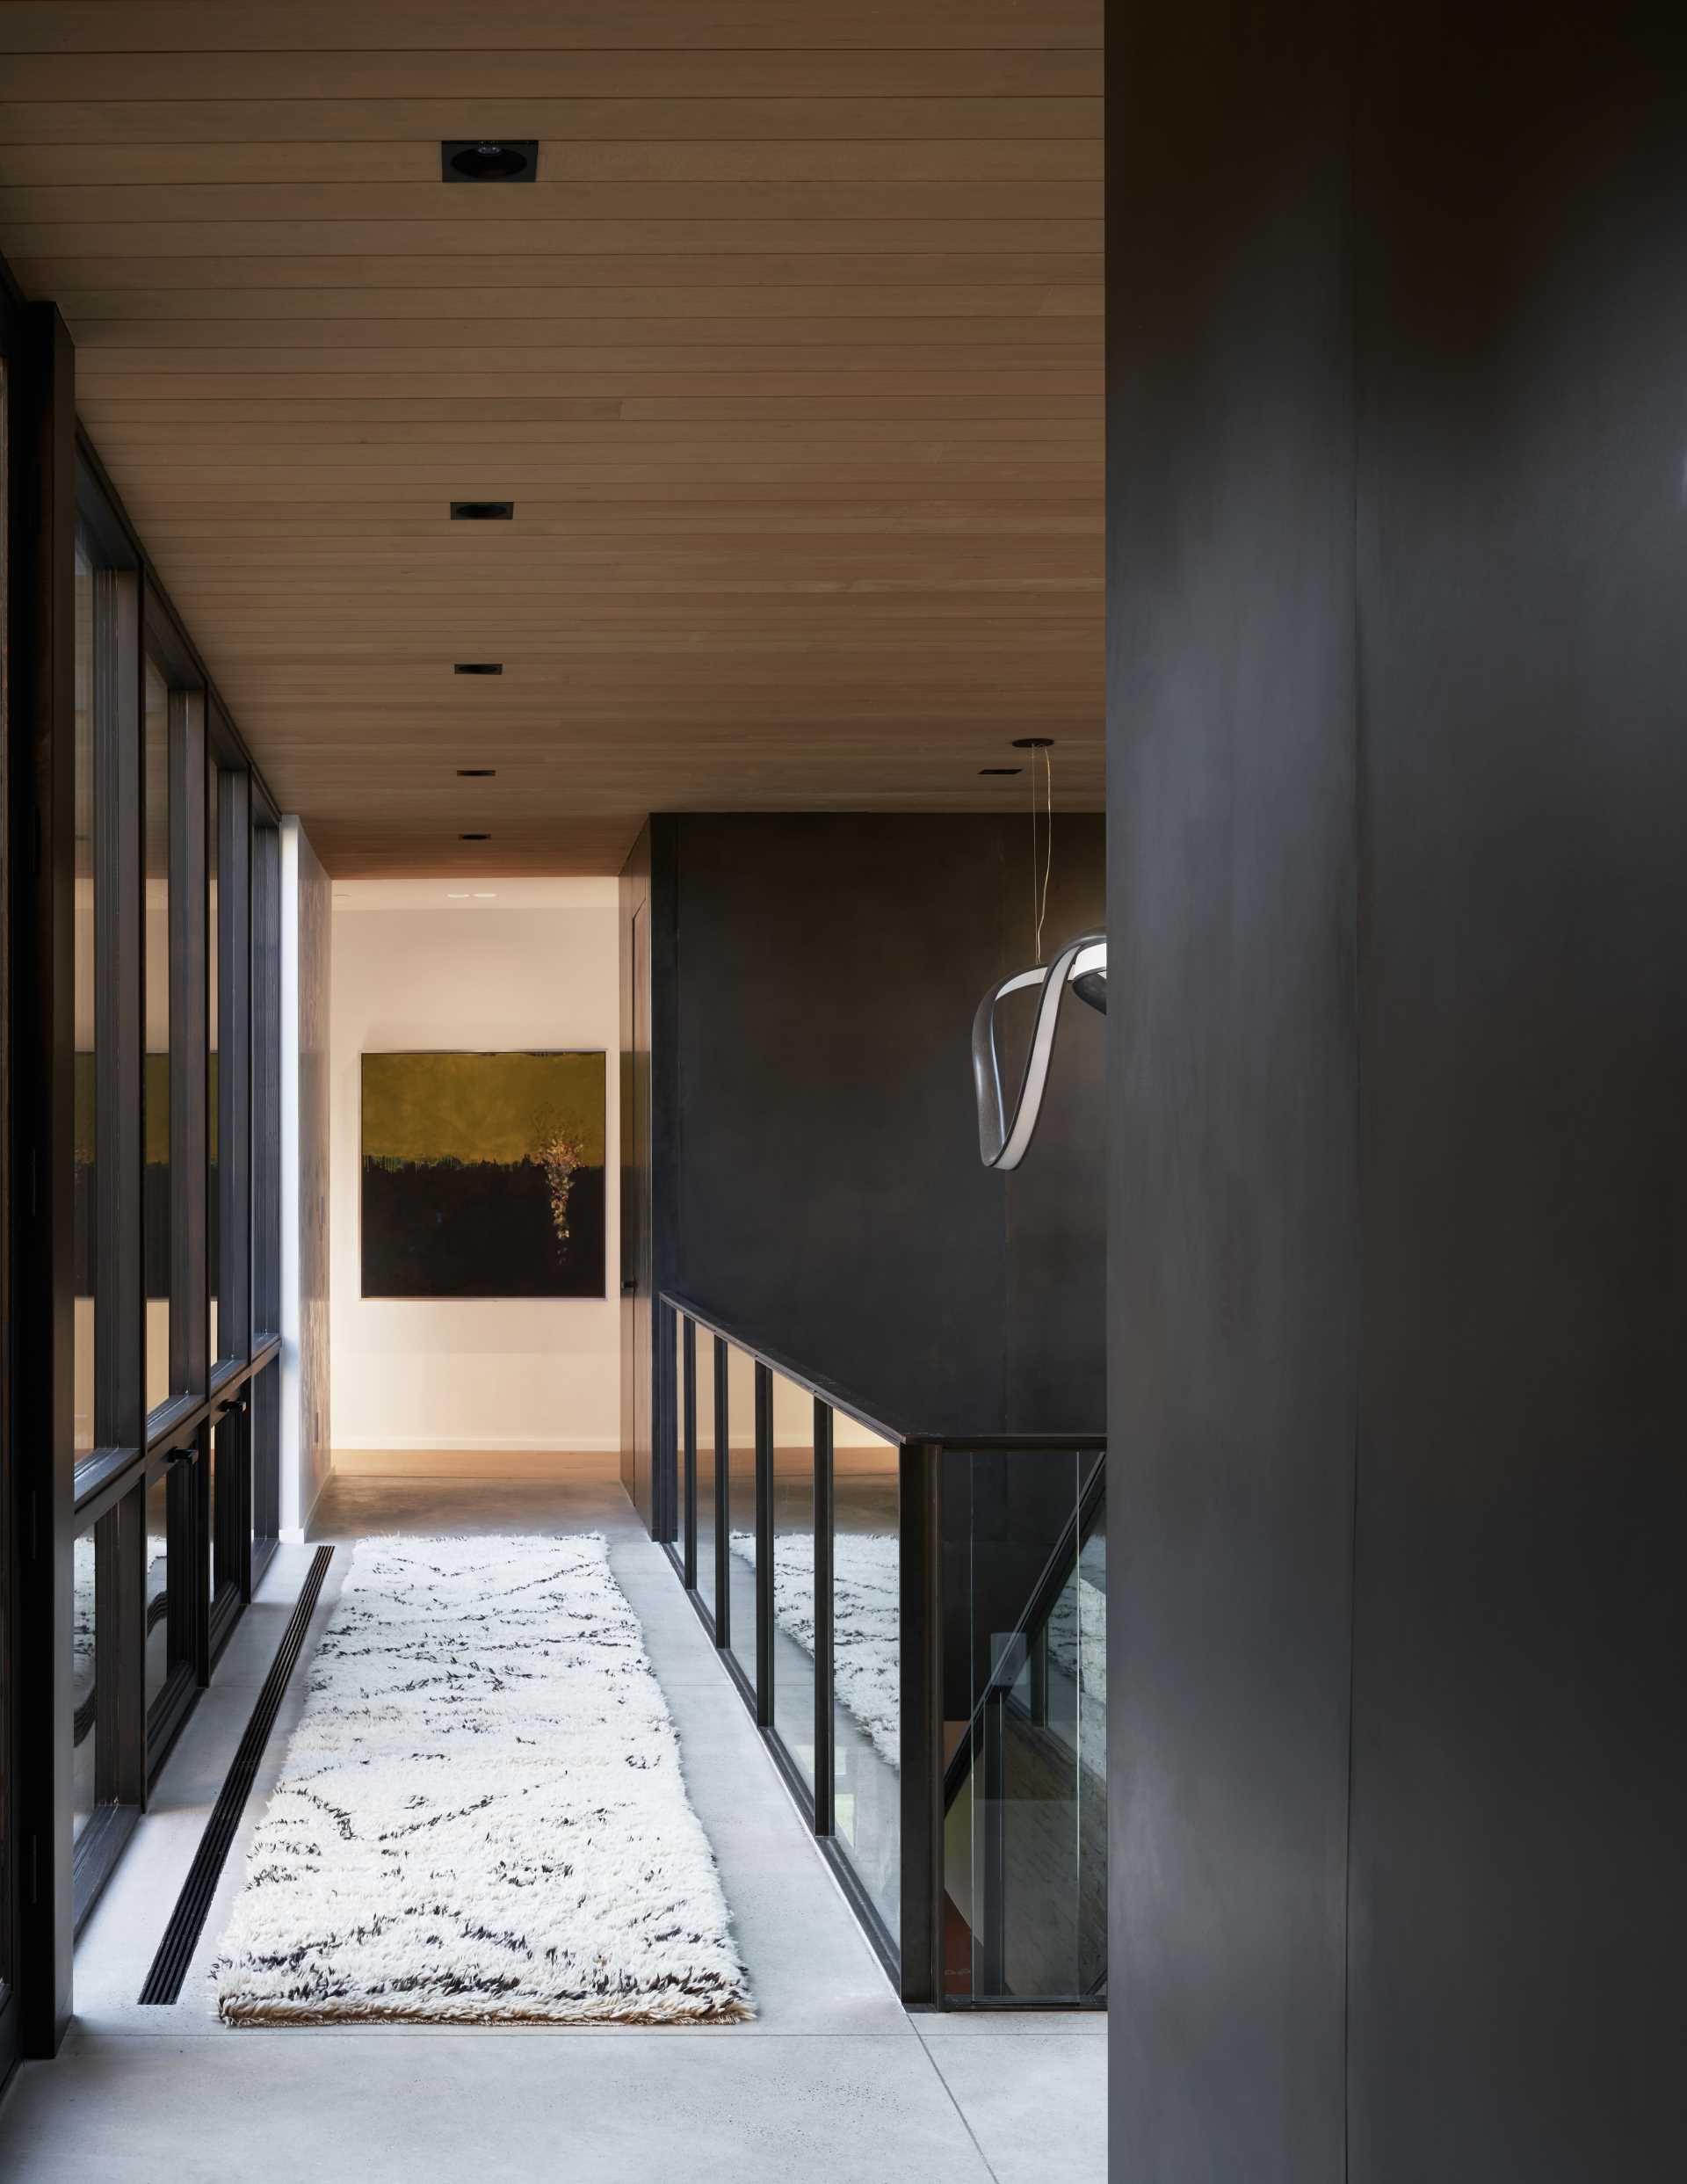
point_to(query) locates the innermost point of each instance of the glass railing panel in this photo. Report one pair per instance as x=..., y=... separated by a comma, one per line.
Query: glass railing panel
x=866, y=1661
x=705, y=1526
x=1025, y=1836
x=674, y=1442
x=793, y=1572
x=741, y=1508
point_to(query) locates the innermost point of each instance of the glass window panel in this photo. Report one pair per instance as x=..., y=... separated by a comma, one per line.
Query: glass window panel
x=264, y=1443
x=1087, y=1670
x=214, y=943
x=674, y=1448
x=84, y=1727
x=741, y=1500
x=866, y=1661
x=84, y=1194
x=217, y=1561
x=705, y=1468
x=793, y=1572
x=155, y=1120
x=157, y=1584
x=266, y=850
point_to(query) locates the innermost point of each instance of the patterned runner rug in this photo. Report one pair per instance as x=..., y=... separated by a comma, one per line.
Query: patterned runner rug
x=482, y=1817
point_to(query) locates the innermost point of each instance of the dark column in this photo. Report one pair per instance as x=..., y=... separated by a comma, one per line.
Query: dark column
x=1398, y=903
x=1233, y=1163
x=1520, y=1660
x=41, y=1037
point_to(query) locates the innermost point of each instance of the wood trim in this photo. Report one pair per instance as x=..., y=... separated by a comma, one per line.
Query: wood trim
x=474, y=1464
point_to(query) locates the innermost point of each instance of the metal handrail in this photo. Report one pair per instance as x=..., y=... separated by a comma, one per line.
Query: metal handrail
x=829, y=1391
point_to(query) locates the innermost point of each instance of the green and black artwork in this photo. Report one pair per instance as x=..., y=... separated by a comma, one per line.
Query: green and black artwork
x=483, y=1175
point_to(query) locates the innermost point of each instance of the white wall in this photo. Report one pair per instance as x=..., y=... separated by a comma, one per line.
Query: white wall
x=307, y=1218
x=522, y=963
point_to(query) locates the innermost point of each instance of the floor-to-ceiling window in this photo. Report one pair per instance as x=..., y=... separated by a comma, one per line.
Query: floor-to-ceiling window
x=176, y=960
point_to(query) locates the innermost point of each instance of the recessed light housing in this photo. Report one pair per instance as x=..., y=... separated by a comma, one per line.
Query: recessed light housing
x=489, y=159
x=482, y=510
x=474, y=838
x=1033, y=743
x=476, y=772
x=477, y=667
x=1001, y=769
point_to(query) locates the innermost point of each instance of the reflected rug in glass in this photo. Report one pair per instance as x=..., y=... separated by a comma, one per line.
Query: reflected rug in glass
x=866, y=1650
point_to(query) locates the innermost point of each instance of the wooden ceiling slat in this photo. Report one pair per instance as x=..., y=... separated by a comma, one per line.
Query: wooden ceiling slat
x=462, y=240
x=762, y=72
x=893, y=259
x=104, y=26
x=518, y=307
x=604, y=412
x=837, y=389
x=769, y=436
x=909, y=337
x=175, y=120
x=923, y=161
x=559, y=211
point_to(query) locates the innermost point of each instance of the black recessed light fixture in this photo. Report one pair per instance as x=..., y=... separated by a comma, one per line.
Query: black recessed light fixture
x=477, y=667
x=482, y=510
x=476, y=772
x=474, y=838
x=1033, y=743
x=489, y=159
x=1001, y=769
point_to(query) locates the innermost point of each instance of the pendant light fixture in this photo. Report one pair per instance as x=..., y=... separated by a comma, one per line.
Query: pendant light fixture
x=1004, y=1137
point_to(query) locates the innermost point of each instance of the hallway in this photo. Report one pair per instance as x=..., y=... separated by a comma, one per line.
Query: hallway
x=831, y=2080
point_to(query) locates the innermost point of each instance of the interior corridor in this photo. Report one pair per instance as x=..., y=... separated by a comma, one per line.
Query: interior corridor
x=830, y=2074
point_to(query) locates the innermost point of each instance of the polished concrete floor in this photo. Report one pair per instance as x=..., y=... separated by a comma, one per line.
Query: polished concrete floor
x=832, y=2082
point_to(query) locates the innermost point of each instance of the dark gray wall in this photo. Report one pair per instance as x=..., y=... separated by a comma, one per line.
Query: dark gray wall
x=1398, y=803
x=823, y=1173
x=1519, y=1809
x=1234, y=1182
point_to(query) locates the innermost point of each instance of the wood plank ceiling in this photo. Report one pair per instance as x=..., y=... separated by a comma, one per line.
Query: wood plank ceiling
x=790, y=360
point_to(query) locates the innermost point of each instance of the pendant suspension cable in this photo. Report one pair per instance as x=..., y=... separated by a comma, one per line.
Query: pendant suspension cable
x=1039, y=894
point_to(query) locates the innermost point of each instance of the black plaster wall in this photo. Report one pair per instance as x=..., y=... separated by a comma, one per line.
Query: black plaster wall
x=822, y=1170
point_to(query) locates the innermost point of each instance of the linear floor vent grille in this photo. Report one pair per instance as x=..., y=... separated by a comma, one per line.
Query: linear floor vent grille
x=192, y=1906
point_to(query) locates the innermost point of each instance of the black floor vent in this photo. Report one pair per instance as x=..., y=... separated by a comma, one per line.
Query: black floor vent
x=187, y=1920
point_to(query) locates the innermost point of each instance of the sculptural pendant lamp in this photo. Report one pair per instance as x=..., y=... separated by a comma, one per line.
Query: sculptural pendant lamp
x=1004, y=1139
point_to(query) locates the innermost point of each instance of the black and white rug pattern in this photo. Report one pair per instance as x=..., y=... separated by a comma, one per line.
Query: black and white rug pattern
x=482, y=1817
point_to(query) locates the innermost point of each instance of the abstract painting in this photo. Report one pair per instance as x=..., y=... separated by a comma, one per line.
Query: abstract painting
x=483, y=1175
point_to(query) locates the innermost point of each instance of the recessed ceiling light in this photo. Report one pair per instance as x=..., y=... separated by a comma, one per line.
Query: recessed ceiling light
x=1001, y=769
x=1033, y=743
x=456, y=895
x=489, y=159
x=476, y=772
x=477, y=667
x=482, y=510
x=474, y=838
x=486, y=895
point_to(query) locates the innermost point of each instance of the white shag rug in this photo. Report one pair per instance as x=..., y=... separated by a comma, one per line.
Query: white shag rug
x=482, y=1817
x=866, y=1624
